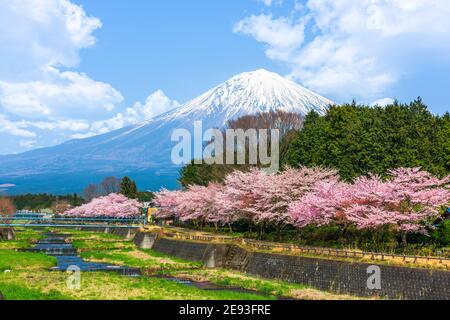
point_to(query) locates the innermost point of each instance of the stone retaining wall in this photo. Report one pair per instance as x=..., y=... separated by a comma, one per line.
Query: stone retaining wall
x=351, y=278
x=127, y=233
x=329, y=275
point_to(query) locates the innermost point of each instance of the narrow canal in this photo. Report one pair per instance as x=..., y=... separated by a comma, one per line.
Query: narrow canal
x=59, y=246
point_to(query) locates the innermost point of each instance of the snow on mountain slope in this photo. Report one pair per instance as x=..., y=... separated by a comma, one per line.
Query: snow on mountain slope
x=250, y=93
x=148, y=146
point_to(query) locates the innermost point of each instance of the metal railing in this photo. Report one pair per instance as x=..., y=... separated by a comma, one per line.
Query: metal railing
x=65, y=222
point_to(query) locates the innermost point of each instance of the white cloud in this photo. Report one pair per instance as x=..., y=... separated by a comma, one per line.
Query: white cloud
x=354, y=48
x=157, y=103
x=7, y=185
x=77, y=136
x=27, y=143
x=40, y=103
x=383, y=102
x=60, y=94
x=282, y=36
x=37, y=37
x=268, y=3
x=68, y=125
x=37, y=33
x=13, y=128
x=40, y=41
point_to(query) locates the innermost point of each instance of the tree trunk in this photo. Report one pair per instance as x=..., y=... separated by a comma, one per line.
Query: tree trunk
x=344, y=231
x=404, y=239
x=261, y=230
x=280, y=228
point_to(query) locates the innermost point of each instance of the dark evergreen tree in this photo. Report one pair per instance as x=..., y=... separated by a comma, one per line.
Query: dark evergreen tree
x=204, y=174
x=146, y=196
x=44, y=201
x=358, y=140
x=128, y=188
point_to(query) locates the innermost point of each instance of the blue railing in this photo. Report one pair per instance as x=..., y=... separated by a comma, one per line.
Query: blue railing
x=48, y=221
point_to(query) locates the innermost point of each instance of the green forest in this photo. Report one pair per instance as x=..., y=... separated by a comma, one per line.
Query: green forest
x=43, y=201
x=357, y=140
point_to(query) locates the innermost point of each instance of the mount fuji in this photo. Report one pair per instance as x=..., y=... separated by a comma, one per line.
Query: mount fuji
x=143, y=151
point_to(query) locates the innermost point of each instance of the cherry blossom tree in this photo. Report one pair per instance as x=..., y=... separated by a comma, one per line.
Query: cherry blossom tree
x=113, y=205
x=408, y=201
x=218, y=204
x=168, y=201
x=241, y=194
x=255, y=196
x=6, y=208
x=265, y=198
x=196, y=203
x=282, y=189
x=324, y=204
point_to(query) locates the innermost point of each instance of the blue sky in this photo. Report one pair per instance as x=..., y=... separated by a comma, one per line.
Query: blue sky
x=76, y=68
x=181, y=47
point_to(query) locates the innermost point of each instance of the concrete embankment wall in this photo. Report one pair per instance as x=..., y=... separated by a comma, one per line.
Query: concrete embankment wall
x=351, y=278
x=329, y=275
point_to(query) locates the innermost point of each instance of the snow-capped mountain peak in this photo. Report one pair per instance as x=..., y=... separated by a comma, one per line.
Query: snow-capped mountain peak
x=250, y=93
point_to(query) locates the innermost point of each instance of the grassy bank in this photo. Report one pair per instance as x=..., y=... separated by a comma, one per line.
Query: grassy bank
x=26, y=276
x=47, y=285
x=97, y=248
x=24, y=238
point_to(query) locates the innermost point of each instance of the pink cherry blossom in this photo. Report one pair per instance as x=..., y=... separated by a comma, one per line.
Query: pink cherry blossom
x=407, y=201
x=254, y=195
x=113, y=205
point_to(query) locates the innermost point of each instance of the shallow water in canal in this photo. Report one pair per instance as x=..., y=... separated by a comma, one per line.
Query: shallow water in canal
x=58, y=246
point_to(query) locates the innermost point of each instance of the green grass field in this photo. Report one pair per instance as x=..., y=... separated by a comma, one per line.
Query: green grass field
x=26, y=276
